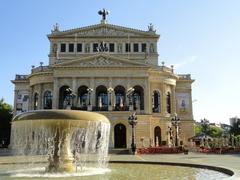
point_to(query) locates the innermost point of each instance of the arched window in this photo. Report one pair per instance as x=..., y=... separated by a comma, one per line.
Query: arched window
x=119, y=97
x=64, y=97
x=35, y=101
x=156, y=102
x=47, y=100
x=168, y=102
x=138, y=98
x=83, y=97
x=102, y=98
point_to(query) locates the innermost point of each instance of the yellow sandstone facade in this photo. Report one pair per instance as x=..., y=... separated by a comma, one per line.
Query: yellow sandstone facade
x=112, y=70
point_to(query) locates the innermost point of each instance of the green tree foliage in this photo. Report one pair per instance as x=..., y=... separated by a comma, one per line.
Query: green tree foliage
x=207, y=129
x=198, y=129
x=235, y=128
x=215, y=131
x=5, y=122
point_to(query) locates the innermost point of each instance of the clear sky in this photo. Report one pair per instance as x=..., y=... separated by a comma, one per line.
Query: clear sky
x=199, y=37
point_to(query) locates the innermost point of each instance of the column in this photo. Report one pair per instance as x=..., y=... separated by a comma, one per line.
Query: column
x=40, y=100
x=92, y=98
x=128, y=101
x=147, y=97
x=15, y=102
x=173, y=99
x=164, y=103
x=110, y=94
x=74, y=88
x=55, y=100
x=30, y=102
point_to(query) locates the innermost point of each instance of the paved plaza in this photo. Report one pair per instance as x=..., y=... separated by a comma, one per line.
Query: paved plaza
x=228, y=161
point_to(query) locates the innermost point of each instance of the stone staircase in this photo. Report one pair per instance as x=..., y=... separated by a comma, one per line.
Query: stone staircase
x=119, y=151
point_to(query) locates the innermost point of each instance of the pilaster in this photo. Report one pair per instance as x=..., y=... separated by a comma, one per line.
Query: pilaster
x=74, y=88
x=55, y=93
x=93, y=95
x=147, y=96
x=41, y=99
x=173, y=99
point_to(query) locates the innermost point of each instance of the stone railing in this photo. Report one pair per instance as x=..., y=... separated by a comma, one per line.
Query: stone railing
x=21, y=77
x=40, y=69
x=184, y=76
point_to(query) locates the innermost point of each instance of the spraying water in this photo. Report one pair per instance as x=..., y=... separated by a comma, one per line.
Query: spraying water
x=71, y=140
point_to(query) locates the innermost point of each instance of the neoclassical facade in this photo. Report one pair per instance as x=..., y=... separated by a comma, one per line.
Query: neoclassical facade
x=112, y=70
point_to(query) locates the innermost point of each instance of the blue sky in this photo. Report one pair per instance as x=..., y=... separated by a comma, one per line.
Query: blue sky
x=198, y=37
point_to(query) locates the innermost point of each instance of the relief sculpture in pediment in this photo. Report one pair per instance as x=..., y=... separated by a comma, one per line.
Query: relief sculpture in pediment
x=105, y=32
x=100, y=62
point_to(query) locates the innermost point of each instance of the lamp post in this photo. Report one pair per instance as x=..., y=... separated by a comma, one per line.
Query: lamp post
x=132, y=120
x=170, y=133
x=176, y=122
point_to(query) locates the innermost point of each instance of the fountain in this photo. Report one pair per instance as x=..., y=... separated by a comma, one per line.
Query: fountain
x=69, y=138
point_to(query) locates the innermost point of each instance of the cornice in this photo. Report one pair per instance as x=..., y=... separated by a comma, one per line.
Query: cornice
x=101, y=25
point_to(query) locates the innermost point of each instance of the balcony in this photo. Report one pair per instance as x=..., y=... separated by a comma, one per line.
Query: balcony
x=184, y=76
x=104, y=108
x=41, y=69
x=21, y=77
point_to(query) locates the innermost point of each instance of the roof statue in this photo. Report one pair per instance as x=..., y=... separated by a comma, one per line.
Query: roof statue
x=55, y=28
x=104, y=12
x=151, y=28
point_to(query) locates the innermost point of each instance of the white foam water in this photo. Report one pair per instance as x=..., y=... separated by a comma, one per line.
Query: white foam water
x=39, y=172
x=87, y=144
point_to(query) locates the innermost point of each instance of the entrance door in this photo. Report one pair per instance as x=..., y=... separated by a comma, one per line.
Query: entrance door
x=120, y=136
x=157, y=135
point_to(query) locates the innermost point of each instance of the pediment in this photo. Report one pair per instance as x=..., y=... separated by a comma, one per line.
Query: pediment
x=99, y=61
x=103, y=30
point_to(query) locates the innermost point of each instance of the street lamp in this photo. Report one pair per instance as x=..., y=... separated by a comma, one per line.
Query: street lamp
x=170, y=133
x=89, y=90
x=132, y=120
x=176, y=122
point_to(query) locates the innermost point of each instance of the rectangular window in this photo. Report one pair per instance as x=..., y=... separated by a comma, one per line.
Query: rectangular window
x=25, y=98
x=63, y=47
x=95, y=47
x=79, y=47
x=111, y=47
x=128, y=47
x=144, y=47
x=71, y=47
x=135, y=47
x=19, y=96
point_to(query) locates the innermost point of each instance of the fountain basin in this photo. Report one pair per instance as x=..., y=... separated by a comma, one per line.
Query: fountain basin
x=63, y=135
x=121, y=170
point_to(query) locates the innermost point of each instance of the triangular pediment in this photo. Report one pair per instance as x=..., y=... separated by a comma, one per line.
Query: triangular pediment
x=101, y=60
x=103, y=30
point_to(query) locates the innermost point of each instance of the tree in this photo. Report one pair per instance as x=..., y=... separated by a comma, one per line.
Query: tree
x=235, y=129
x=5, y=123
x=215, y=132
x=205, y=128
x=198, y=129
